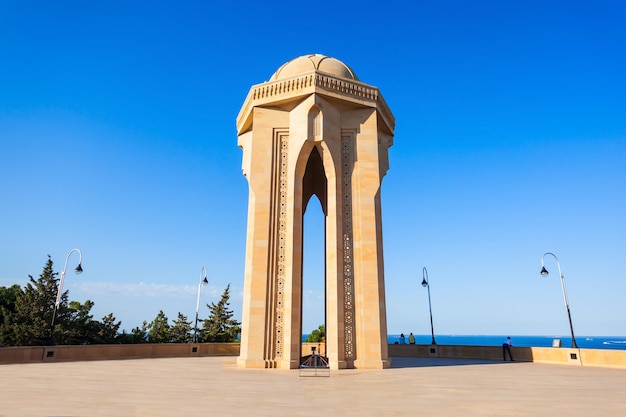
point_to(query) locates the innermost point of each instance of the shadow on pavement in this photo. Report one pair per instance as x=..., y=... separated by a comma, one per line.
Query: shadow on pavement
x=412, y=362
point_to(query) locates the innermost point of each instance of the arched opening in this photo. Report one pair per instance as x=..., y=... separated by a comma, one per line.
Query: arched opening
x=313, y=269
x=314, y=248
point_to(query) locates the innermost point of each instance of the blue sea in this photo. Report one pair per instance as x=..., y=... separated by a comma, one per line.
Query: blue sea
x=584, y=342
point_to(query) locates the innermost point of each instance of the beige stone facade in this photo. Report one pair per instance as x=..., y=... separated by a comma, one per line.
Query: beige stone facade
x=314, y=129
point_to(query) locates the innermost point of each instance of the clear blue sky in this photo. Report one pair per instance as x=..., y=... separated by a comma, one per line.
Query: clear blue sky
x=117, y=136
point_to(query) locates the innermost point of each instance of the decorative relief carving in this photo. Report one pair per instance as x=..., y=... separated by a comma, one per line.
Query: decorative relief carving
x=281, y=259
x=276, y=273
x=348, y=250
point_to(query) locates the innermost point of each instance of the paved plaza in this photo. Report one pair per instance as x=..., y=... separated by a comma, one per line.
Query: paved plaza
x=214, y=386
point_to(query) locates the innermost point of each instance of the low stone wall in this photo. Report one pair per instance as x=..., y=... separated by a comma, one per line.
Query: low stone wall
x=602, y=357
x=320, y=348
x=584, y=357
x=29, y=354
x=32, y=354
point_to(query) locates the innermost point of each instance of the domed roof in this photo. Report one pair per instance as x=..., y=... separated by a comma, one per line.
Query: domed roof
x=307, y=63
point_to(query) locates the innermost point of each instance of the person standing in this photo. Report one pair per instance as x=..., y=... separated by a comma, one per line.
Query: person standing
x=411, y=339
x=402, y=342
x=506, y=347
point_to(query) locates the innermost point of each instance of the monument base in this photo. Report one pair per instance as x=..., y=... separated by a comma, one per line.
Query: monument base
x=372, y=364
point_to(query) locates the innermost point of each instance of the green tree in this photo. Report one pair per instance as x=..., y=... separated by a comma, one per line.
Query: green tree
x=8, y=298
x=159, y=329
x=141, y=333
x=317, y=335
x=34, y=309
x=136, y=335
x=107, y=330
x=26, y=315
x=220, y=325
x=76, y=324
x=181, y=329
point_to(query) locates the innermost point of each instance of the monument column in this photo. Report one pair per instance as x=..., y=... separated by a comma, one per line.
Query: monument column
x=314, y=129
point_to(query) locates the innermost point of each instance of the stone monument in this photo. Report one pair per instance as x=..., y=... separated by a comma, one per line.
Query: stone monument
x=314, y=129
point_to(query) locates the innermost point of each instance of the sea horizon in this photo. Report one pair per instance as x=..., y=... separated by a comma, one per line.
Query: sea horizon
x=583, y=342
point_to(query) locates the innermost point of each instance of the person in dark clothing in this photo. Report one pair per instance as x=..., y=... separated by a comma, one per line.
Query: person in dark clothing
x=506, y=347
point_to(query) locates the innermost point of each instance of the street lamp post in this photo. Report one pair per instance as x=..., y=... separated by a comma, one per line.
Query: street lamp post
x=203, y=281
x=426, y=284
x=78, y=270
x=544, y=272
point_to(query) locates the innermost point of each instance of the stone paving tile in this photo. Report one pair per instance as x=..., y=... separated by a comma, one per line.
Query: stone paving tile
x=214, y=386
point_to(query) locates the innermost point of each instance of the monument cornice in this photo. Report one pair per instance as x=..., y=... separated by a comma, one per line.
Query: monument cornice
x=313, y=82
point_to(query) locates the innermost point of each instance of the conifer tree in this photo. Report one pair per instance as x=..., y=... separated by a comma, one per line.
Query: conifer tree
x=34, y=309
x=77, y=326
x=181, y=329
x=136, y=335
x=220, y=325
x=26, y=315
x=108, y=330
x=159, y=329
x=8, y=298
